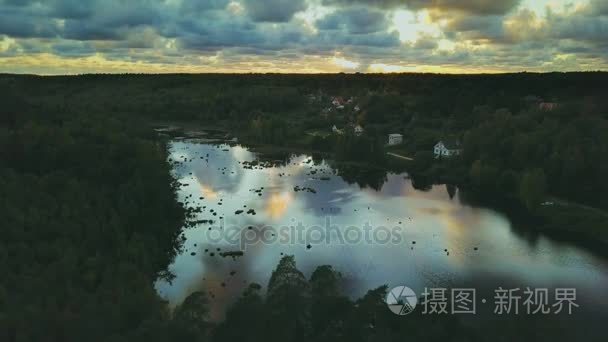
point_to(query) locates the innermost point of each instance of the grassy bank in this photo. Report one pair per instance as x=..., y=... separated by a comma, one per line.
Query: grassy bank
x=575, y=222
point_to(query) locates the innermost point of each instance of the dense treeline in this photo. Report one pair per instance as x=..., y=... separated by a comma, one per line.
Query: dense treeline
x=528, y=156
x=564, y=152
x=89, y=221
x=90, y=217
x=512, y=148
x=397, y=98
x=298, y=309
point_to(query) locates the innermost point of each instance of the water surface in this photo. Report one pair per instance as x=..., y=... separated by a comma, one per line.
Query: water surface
x=483, y=248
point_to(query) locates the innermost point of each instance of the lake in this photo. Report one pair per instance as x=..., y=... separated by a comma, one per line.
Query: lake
x=389, y=233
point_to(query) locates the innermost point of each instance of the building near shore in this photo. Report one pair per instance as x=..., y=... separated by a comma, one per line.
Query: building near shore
x=447, y=148
x=395, y=139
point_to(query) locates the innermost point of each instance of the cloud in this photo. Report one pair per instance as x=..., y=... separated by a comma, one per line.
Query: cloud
x=345, y=63
x=600, y=7
x=426, y=43
x=357, y=20
x=475, y=27
x=200, y=7
x=342, y=39
x=587, y=24
x=76, y=19
x=525, y=26
x=477, y=7
x=16, y=22
x=71, y=9
x=180, y=35
x=480, y=7
x=275, y=11
x=371, y=3
x=241, y=33
x=73, y=48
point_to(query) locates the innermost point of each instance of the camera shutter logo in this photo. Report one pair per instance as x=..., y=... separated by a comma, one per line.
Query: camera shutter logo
x=401, y=300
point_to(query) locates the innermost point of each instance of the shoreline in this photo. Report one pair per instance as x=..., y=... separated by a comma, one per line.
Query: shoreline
x=588, y=238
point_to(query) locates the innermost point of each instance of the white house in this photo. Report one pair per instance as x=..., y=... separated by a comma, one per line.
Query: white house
x=357, y=108
x=446, y=148
x=358, y=130
x=336, y=130
x=395, y=139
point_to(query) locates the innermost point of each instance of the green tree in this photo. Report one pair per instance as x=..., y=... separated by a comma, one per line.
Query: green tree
x=288, y=301
x=508, y=183
x=532, y=188
x=246, y=320
x=329, y=309
x=190, y=319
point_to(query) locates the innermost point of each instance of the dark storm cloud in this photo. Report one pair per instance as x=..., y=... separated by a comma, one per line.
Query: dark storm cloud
x=18, y=3
x=237, y=33
x=479, y=7
x=204, y=25
x=591, y=26
x=81, y=20
x=370, y=3
x=357, y=20
x=82, y=30
x=71, y=9
x=338, y=40
x=73, y=48
x=117, y=14
x=343, y=28
x=482, y=7
x=199, y=7
x=275, y=11
x=20, y=21
x=476, y=27
x=600, y=7
x=219, y=31
x=112, y=22
x=426, y=43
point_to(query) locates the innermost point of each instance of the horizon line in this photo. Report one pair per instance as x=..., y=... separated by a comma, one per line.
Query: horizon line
x=302, y=73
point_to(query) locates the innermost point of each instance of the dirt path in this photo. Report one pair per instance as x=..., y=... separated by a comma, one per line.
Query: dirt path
x=400, y=156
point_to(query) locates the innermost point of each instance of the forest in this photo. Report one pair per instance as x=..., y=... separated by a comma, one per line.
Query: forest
x=514, y=149
x=90, y=216
x=89, y=221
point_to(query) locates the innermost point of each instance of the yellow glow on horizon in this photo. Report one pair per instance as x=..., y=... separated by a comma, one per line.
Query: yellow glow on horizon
x=345, y=63
x=564, y=56
x=49, y=64
x=387, y=68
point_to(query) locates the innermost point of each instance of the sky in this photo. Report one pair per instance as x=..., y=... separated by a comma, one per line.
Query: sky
x=303, y=36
